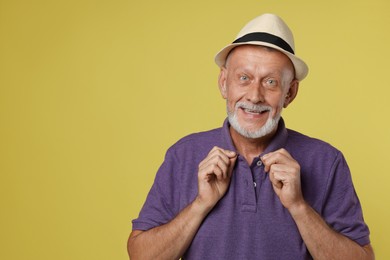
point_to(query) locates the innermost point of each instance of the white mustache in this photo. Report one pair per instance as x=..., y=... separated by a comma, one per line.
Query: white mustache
x=252, y=107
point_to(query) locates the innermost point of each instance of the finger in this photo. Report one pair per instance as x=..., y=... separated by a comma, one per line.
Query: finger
x=276, y=182
x=228, y=153
x=218, y=159
x=215, y=164
x=284, y=173
x=281, y=168
x=231, y=165
x=228, y=166
x=224, y=168
x=218, y=167
x=213, y=159
x=280, y=156
x=217, y=153
x=283, y=153
x=212, y=172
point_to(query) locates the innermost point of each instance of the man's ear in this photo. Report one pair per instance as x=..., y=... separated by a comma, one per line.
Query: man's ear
x=222, y=82
x=292, y=93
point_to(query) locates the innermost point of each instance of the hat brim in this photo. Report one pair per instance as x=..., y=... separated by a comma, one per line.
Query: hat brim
x=301, y=69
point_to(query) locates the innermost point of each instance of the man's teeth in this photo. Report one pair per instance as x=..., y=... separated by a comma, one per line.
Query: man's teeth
x=254, y=111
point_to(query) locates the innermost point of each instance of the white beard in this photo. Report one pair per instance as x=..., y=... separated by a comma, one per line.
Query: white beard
x=266, y=129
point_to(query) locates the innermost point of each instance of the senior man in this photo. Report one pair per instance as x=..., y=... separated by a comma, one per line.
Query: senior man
x=253, y=189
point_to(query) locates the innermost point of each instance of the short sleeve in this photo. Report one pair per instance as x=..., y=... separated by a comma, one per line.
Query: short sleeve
x=161, y=203
x=341, y=205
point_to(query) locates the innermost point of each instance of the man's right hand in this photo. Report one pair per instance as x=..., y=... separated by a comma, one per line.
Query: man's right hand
x=174, y=237
x=214, y=176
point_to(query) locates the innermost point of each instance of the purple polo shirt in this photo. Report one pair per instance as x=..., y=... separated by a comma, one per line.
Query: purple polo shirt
x=250, y=222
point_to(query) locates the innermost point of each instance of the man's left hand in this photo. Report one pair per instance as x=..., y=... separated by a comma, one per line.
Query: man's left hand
x=285, y=176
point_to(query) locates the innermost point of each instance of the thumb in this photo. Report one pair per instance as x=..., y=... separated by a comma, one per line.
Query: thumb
x=231, y=165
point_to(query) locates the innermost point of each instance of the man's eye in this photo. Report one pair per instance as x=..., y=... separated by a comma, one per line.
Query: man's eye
x=271, y=82
x=244, y=77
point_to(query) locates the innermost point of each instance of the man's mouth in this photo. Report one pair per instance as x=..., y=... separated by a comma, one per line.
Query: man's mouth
x=249, y=111
x=255, y=111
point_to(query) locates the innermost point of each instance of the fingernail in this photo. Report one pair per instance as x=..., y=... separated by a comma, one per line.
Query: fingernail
x=232, y=153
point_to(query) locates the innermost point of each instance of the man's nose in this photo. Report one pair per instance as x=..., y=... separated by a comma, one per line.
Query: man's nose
x=255, y=93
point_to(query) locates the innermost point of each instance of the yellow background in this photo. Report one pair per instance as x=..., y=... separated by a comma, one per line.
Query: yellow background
x=92, y=93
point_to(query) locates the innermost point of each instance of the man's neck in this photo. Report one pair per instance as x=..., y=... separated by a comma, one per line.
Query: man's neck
x=250, y=148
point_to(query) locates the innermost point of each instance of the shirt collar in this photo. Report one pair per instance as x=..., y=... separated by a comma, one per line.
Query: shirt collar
x=278, y=141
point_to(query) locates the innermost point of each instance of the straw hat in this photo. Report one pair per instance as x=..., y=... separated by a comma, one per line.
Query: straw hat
x=271, y=31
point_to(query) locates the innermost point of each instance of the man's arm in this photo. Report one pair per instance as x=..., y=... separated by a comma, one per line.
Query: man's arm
x=171, y=240
x=321, y=240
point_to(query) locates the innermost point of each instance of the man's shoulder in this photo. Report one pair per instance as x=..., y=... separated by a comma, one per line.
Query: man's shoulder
x=200, y=140
x=309, y=143
x=316, y=157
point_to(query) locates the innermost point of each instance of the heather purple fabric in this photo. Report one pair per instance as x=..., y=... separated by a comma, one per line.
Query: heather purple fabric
x=250, y=222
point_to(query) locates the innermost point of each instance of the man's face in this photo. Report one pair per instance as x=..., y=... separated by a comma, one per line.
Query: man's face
x=257, y=83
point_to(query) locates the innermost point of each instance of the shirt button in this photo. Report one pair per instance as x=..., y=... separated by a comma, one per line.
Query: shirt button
x=259, y=163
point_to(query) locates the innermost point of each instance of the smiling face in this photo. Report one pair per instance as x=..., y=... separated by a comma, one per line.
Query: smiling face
x=257, y=82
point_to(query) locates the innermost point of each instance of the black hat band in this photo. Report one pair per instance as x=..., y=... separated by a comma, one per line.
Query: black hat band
x=265, y=37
